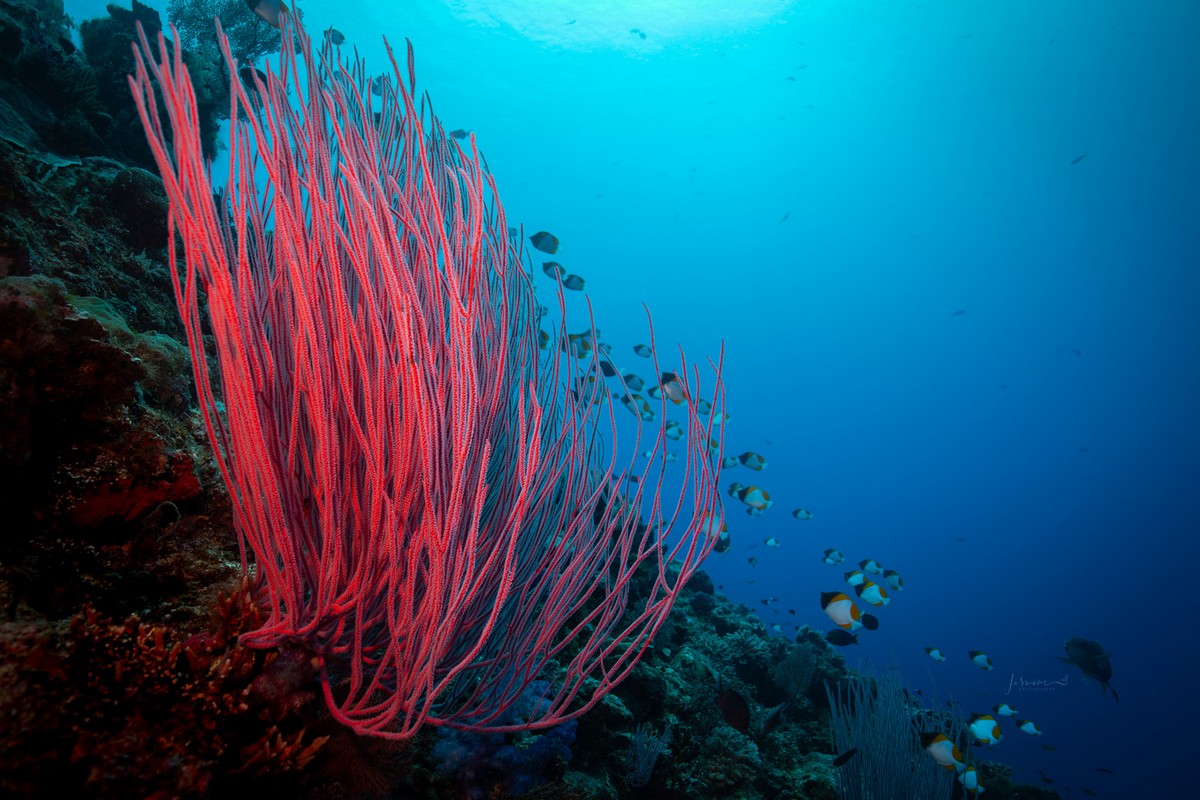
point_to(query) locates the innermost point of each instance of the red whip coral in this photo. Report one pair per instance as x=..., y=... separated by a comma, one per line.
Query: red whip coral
x=431, y=511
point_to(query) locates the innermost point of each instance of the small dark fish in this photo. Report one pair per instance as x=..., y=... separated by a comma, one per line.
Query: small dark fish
x=1088, y=792
x=791, y=78
x=841, y=638
x=784, y=218
x=1077, y=159
x=247, y=74
x=870, y=622
x=552, y=269
x=846, y=756
x=573, y=282
x=1105, y=770
x=377, y=85
x=774, y=717
x=607, y=369
x=459, y=133
x=336, y=37
x=959, y=539
x=734, y=710
x=959, y=312
x=638, y=32
x=1077, y=351
x=1049, y=748
x=544, y=241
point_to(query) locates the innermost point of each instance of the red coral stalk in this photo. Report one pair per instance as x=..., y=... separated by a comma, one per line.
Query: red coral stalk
x=431, y=512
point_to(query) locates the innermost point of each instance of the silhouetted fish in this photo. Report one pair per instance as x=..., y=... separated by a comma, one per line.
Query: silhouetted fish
x=1092, y=661
x=545, y=241
x=459, y=133
x=1079, y=158
x=247, y=74
x=734, y=710
x=774, y=717
x=844, y=757
x=269, y=10
x=840, y=638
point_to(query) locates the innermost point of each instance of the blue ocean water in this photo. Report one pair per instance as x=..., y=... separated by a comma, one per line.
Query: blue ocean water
x=951, y=251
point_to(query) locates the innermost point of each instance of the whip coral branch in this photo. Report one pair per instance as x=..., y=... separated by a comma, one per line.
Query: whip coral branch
x=430, y=510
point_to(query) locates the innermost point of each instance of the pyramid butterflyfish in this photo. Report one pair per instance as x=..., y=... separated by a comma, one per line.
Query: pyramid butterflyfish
x=985, y=729
x=757, y=499
x=944, y=751
x=970, y=781
x=1028, y=727
x=841, y=609
x=872, y=593
x=981, y=660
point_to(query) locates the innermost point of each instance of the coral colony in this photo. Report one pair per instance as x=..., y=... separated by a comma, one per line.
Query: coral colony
x=427, y=507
